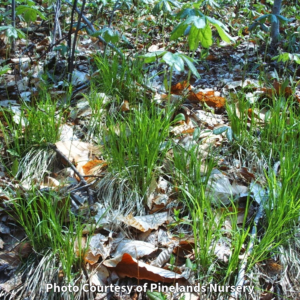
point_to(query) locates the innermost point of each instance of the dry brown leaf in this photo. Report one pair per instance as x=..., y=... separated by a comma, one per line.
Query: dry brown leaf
x=135, y=248
x=127, y=266
x=1, y=244
x=76, y=151
x=125, y=106
x=93, y=166
x=147, y=222
x=212, y=58
x=12, y=283
x=163, y=257
x=185, y=247
x=179, y=88
x=246, y=174
x=277, y=89
x=98, y=247
x=208, y=97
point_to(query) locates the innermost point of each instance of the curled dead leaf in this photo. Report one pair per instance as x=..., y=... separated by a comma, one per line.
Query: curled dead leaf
x=127, y=266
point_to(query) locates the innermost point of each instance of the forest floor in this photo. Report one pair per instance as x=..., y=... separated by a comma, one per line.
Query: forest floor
x=164, y=167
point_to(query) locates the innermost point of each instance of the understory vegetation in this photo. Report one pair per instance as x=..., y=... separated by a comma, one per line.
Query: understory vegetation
x=150, y=141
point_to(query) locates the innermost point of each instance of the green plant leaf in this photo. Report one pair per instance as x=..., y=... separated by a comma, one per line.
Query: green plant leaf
x=190, y=62
x=198, y=22
x=179, y=117
x=189, y=12
x=205, y=37
x=4, y=69
x=174, y=60
x=11, y=31
x=229, y=134
x=15, y=167
x=13, y=152
x=196, y=133
x=253, y=26
x=152, y=56
x=221, y=30
x=273, y=18
x=263, y=18
x=220, y=130
x=30, y=13
x=264, y=28
x=165, y=6
x=178, y=31
x=282, y=19
x=156, y=295
x=189, y=264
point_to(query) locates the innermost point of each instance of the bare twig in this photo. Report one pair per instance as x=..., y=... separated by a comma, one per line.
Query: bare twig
x=242, y=269
x=71, y=56
x=92, y=28
x=82, y=180
x=72, y=51
x=56, y=26
x=13, y=23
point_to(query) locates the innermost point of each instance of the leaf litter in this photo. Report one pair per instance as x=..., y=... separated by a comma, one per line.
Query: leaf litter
x=109, y=258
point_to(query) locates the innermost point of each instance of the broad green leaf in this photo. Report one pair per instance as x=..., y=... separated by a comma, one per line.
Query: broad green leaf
x=4, y=69
x=12, y=32
x=190, y=63
x=263, y=18
x=178, y=31
x=13, y=152
x=194, y=38
x=273, y=18
x=188, y=262
x=253, y=26
x=156, y=295
x=188, y=12
x=109, y=35
x=166, y=8
x=175, y=3
x=174, y=60
x=264, y=28
x=2, y=28
x=94, y=34
x=62, y=48
x=206, y=36
x=282, y=19
x=30, y=13
x=196, y=135
x=152, y=56
x=15, y=167
x=199, y=22
x=297, y=58
x=187, y=30
x=282, y=57
x=179, y=117
x=221, y=30
x=196, y=20
x=157, y=8
x=220, y=130
x=21, y=34
x=229, y=134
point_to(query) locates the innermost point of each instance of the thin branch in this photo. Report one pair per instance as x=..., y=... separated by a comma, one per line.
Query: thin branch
x=92, y=28
x=82, y=180
x=242, y=269
x=70, y=61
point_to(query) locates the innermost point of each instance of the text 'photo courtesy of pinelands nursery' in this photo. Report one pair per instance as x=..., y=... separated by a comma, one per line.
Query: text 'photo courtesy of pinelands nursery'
x=150, y=150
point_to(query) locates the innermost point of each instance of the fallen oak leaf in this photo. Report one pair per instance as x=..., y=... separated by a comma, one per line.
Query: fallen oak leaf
x=127, y=266
x=207, y=97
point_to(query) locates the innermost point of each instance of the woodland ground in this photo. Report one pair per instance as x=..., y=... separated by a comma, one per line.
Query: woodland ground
x=150, y=143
